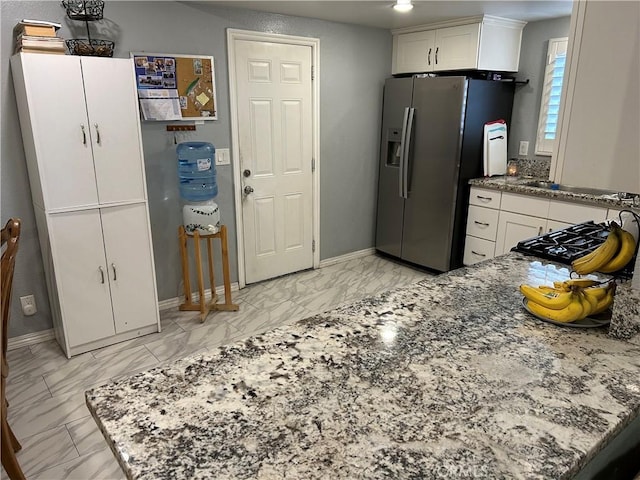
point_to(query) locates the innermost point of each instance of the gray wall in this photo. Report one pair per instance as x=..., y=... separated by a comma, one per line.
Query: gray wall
x=526, y=103
x=354, y=62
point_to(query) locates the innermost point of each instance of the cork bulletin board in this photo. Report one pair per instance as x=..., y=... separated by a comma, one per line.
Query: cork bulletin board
x=175, y=87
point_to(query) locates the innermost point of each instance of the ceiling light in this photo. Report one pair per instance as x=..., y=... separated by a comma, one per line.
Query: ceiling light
x=403, y=5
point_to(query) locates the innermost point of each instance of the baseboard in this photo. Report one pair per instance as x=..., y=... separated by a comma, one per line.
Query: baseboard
x=30, y=339
x=347, y=256
x=195, y=296
x=45, y=335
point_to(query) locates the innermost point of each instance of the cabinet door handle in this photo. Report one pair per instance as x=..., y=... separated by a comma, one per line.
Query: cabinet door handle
x=539, y=231
x=478, y=253
x=84, y=135
x=484, y=224
x=483, y=198
x=97, y=133
x=101, y=274
x=437, y=48
x=429, y=57
x=115, y=277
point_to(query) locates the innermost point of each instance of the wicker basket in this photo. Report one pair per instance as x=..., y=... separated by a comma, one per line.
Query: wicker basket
x=92, y=47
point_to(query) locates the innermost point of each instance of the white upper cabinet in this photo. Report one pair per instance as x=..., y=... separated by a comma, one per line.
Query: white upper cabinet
x=457, y=47
x=111, y=101
x=473, y=43
x=55, y=116
x=80, y=130
x=414, y=52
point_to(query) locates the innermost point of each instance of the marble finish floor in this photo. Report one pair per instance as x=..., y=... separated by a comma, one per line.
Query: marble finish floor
x=47, y=409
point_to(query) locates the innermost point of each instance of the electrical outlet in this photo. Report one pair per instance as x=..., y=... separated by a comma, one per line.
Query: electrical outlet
x=28, y=303
x=524, y=148
x=223, y=157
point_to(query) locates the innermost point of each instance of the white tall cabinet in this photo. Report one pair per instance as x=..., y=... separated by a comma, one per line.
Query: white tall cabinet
x=81, y=135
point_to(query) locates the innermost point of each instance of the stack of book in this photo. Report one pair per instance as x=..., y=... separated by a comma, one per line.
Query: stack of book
x=38, y=36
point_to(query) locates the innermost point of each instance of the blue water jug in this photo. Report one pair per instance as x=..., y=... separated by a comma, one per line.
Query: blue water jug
x=197, y=171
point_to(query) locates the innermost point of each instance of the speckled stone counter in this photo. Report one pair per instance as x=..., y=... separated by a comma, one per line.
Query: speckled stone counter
x=518, y=185
x=449, y=378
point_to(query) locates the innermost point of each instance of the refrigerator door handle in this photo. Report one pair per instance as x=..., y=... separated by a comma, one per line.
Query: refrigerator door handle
x=405, y=154
x=402, y=150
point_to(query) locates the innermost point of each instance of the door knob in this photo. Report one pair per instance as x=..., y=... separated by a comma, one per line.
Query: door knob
x=248, y=190
x=247, y=172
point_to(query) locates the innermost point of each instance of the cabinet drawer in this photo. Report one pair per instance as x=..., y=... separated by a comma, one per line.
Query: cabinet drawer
x=522, y=204
x=477, y=250
x=572, y=213
x=485, y=198
x=482, y=222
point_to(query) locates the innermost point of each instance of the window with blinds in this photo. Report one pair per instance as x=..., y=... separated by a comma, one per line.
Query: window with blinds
x=551, y=92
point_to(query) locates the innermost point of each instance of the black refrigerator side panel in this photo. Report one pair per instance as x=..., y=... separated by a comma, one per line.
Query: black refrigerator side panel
x=486, y=101
x=390, y=209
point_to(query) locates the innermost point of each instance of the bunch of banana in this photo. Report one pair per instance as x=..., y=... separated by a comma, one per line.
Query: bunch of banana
x=570, y=300
x=614, y=254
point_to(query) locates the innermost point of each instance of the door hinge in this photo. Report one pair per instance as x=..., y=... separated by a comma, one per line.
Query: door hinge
x=313, y=73
x=313, y=164
x=313, y=246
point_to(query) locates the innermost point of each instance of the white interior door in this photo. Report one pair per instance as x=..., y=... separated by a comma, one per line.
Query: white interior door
x=275, y=140
x=130, y=264
x=60, y=130
x=81, y=275
x=112, y=105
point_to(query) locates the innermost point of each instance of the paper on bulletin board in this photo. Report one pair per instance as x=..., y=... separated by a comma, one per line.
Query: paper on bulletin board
x=191, y=76
x=160, y=104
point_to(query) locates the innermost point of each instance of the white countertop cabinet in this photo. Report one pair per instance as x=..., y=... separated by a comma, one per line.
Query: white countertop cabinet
x=81, y=134
x=482, y=225
x=473, y=43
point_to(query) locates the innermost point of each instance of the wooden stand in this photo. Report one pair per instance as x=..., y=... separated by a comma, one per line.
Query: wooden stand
x=202, y=306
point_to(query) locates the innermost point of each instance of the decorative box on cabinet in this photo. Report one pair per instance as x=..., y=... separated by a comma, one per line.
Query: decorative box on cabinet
x=472, y=43
x=482, y=224
x=81, y=135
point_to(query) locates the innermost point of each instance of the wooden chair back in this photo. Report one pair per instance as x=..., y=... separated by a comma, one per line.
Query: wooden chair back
x=10, y=237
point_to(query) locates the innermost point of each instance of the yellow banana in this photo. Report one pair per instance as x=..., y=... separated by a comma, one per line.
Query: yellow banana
x=604, y=303
x=598, y=293
x=624, y=255
x=551, y=300
x=571, y=313
x=600, y=256
x=575, y=282
x=590, y=300
x=547, y=288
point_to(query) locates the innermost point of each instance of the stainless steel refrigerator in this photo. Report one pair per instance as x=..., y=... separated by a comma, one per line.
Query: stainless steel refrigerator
x=431, y=146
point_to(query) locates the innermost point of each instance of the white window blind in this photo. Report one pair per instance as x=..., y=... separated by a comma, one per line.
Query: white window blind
x=550, y=101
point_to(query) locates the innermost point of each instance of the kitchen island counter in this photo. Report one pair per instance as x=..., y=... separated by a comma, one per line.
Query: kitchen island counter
x=449, y=378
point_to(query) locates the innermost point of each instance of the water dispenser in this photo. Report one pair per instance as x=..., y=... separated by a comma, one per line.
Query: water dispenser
x=198, y=186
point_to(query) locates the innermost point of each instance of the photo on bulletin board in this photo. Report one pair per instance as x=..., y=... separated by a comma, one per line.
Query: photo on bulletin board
x=175, y=87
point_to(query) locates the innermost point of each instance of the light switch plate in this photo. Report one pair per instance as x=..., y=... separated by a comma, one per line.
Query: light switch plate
x=524, y=148
x=223, y=156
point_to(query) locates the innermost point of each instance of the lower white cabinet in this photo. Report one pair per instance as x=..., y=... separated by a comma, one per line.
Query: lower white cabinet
x=104, y=275
x=477, y=250
x=482, y=225
x=553, y=225
x=513, y=227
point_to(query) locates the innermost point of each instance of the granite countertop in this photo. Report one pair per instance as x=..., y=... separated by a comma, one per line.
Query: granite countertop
x=449, y=378
x=519, y=185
